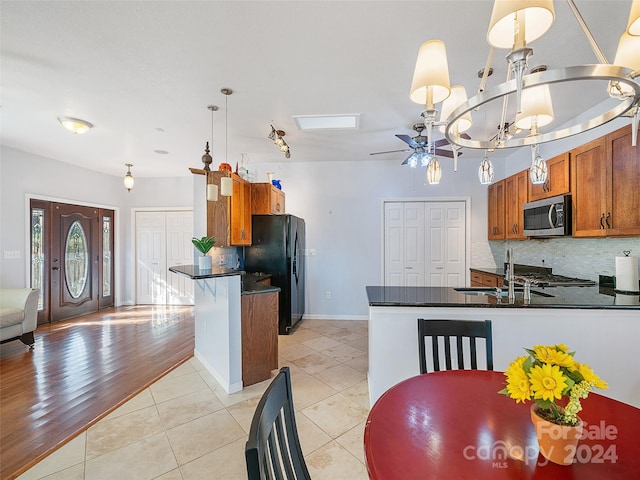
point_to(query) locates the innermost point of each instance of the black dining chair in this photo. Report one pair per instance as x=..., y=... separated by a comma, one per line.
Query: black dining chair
x=458, y=329
x=273, y=448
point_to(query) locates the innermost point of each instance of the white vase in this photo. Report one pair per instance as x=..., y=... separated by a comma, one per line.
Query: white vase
x=204, y=262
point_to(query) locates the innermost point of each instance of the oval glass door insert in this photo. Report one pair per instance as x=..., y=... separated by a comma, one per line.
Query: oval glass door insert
x=76, y=260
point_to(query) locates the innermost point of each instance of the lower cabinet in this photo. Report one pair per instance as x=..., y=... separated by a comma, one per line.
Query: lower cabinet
x=259, y=336
x=484, y=279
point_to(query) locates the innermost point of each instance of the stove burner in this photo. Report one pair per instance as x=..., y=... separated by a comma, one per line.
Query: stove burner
x=551, y=280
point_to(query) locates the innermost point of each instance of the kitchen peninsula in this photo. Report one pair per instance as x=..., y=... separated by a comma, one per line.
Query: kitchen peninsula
x=603, y=326
x=223, y=340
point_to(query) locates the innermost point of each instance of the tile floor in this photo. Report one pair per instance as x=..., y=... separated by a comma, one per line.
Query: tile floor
x=185, y=427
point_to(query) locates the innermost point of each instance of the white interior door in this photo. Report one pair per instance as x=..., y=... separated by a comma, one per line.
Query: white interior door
x=424, y=243
x=163, y=239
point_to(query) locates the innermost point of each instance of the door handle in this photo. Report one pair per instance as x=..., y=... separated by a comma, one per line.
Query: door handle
x=602, y=222
x=439, y=268
x=408, y=268
x=607, y=219
x=55, y=268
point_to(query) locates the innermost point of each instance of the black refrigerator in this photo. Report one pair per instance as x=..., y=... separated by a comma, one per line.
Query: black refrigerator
x=278, y=249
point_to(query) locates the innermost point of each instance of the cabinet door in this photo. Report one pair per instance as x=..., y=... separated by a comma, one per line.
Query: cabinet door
x=240, y=211
x=589, y=189
x=218, y=213
x=557, y=179
x=496, y=211
x=277, y=201
x=623, y=212
x=515, y=188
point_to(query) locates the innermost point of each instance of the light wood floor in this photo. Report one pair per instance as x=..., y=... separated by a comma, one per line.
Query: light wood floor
x=79, y=371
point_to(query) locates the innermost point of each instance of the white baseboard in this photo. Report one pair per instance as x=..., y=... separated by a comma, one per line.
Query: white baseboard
x=334, y=317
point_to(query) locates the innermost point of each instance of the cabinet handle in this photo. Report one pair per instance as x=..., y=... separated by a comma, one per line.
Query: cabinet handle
x=608, y=217
x=277, y=207
x=602, y=222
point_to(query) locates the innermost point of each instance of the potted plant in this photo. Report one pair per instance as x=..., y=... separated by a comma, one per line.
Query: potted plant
x=203, y=245
x=550, y=376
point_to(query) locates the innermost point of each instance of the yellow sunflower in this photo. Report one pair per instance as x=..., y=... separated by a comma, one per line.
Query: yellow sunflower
x=518, y=385
x=553, y=356
x=589, y=376
x=547, y=382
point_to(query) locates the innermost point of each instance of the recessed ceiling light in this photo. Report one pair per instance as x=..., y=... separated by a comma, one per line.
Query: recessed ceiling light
x=160, y=152
x=75, y=125
x=328, y=122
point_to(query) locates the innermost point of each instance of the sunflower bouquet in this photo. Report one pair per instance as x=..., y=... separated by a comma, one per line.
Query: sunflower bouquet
x=547, y=375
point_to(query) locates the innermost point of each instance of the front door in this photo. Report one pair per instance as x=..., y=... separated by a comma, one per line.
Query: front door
x=75, y=260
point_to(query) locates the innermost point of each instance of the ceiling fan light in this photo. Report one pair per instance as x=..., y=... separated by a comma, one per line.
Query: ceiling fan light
x=458, y=97
x=434, y=171
x=538, y=15
x=633, y=27
x=425, y=159
x=430, y=83
x=413, y=160
x=536, y=105
x=485, y=171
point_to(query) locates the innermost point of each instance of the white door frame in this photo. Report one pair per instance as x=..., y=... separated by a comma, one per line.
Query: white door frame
x=467, y=213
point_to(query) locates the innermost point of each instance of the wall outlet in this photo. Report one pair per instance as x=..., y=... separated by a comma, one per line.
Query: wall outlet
x=327, y=295
x=12, y=254
x=312, y=251
x=222, y=260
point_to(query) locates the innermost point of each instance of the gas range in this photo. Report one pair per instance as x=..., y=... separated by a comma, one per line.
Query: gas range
x=550, y=280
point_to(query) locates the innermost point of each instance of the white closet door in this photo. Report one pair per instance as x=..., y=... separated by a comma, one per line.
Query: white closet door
x=151, y=264
x=424, y=244
x=163, y=240
x=179, y=252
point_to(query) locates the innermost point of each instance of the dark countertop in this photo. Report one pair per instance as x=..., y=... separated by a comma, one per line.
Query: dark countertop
x=558, y=297
x=492, y=271
x=249, y=283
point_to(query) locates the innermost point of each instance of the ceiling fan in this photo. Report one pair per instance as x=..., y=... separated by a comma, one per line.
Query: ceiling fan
x=419, y=146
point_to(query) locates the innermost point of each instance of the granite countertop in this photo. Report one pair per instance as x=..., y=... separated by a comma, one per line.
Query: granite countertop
x=557, y=297
x=249, y=283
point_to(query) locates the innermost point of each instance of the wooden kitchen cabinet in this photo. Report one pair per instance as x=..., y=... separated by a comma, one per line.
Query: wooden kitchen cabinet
x=259, y=326
x=605, y=175
x=558, y=179
x=516, y=195
x=229, y=218
x=266, y=199
x=484, y=279
x=496, y=207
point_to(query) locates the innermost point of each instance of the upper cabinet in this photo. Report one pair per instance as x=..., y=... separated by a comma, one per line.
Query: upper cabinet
x=605, y=175
x=516, y=194
x=266, y=199
x=496, y=211
x=229, y=218
x=557, y=183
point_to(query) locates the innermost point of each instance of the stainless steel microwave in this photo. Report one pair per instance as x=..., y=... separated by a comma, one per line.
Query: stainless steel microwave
x=549, y=217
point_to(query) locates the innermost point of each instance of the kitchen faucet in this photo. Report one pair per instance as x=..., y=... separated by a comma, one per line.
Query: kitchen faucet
x=509, y=274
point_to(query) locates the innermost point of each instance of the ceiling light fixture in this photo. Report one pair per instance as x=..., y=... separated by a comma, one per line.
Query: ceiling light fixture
x=276, y=137
x=633, y=27
x=538, y=171
x=226, y=183
x=75, y=125
x=485, y=171
x=514, y=25
x=128, y=178
x=434, y=171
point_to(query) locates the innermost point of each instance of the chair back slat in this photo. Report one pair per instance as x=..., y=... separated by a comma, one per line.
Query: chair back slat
x=445, y=330
x=273, y=449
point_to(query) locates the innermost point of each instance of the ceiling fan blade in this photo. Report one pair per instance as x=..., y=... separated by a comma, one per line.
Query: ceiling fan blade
x=408, y=140
x=441, y=142
x=446, y=153
x=391, y=151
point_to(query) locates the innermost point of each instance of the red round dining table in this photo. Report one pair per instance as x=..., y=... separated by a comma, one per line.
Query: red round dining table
x=454, y=425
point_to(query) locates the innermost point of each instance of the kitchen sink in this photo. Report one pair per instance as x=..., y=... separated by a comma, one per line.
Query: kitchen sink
x=496, y=292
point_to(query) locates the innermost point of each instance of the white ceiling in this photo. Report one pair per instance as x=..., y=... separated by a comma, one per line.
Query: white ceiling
x=144, y=72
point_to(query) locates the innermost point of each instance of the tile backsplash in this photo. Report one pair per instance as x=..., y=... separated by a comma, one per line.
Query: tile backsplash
x=574, y=257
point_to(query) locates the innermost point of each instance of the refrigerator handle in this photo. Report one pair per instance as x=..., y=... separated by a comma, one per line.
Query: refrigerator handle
x=295, y=257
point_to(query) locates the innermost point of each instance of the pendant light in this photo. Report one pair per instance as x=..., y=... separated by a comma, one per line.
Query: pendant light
x=539, y=171
x=128, y=178
x=226, y=183
x=485, y=172
x=434, y=171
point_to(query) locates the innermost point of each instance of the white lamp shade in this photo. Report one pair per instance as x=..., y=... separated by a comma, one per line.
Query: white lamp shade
x=75, y=125
x=458, y=97
x=212, y=192
x=485, y=171
x=627, y=55
x=536, y=105
x=633, y=27
x=434, y=171
x=539, y=15
x=431, y=76
x=538, y=171
x=226, y=186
